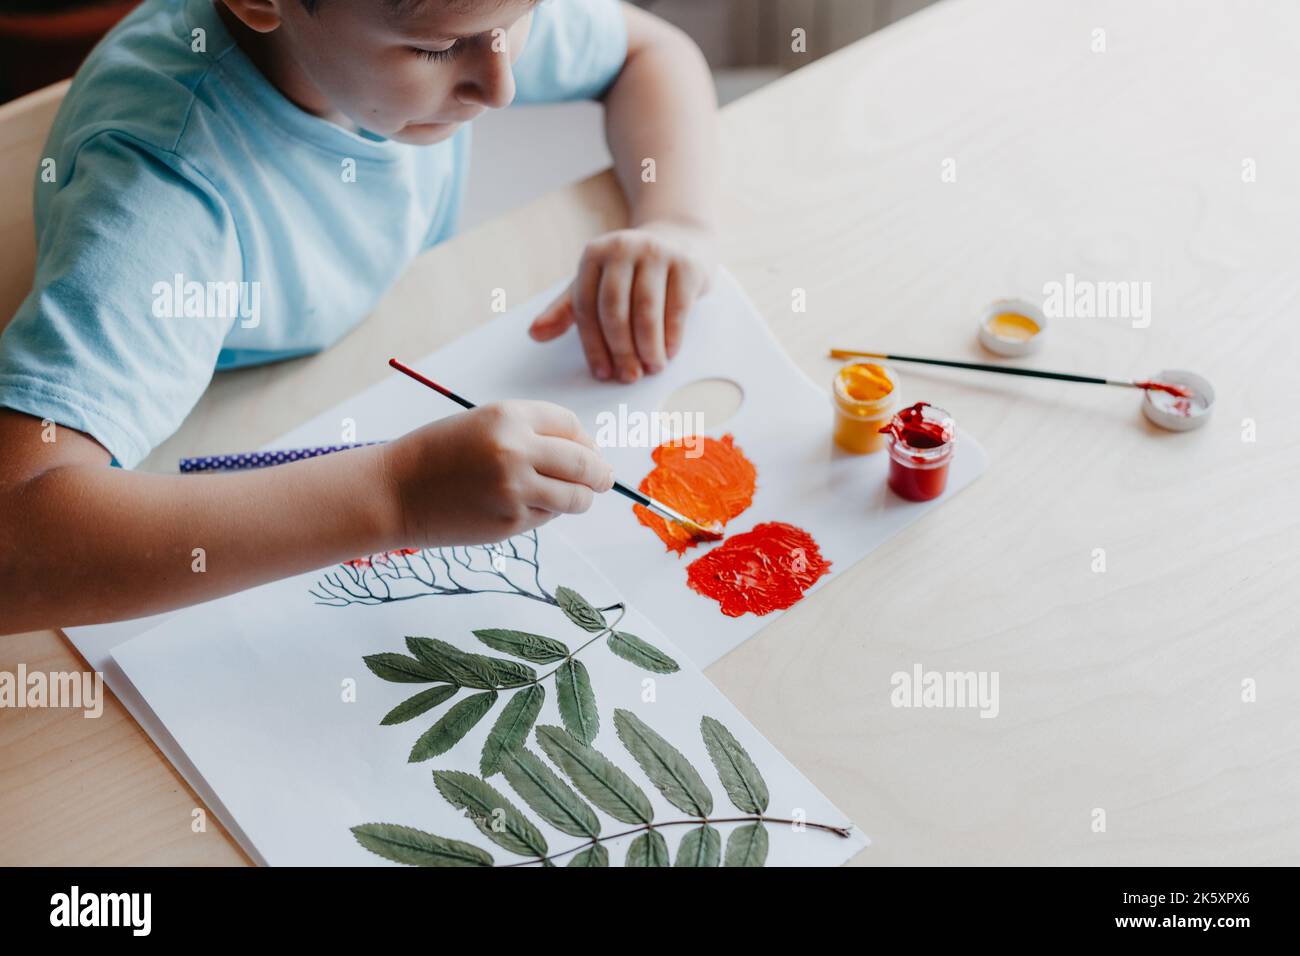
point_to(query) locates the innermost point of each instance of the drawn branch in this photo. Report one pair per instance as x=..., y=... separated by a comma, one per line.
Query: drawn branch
x=511, y=567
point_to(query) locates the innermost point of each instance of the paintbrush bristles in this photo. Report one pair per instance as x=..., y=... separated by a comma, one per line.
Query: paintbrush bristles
x=849, y=353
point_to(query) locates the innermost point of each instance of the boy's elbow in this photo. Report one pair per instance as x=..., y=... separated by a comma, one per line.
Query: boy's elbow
x=649, y=35
x=34, y=522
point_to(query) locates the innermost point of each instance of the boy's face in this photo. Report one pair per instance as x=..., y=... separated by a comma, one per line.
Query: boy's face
x=410, y=70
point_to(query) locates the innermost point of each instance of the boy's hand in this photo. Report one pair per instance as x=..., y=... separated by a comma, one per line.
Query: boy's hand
x=630, y=299
x=492, y=472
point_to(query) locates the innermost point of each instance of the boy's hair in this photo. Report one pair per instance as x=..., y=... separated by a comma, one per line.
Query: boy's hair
x=398, y=6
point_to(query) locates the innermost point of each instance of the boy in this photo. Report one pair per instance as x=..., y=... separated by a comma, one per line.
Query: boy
x=210, y=141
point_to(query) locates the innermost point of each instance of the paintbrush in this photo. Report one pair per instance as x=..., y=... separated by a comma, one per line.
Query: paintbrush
x=698, y=530
x=1181, y=391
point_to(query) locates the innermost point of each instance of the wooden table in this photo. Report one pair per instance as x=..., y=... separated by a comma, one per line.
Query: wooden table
x=1120, y=690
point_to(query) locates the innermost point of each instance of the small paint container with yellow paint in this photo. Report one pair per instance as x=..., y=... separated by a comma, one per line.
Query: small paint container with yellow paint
x=865, y=396
x=1012, y=327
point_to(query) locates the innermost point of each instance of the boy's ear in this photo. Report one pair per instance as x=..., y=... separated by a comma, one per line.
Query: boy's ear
x=260, y=15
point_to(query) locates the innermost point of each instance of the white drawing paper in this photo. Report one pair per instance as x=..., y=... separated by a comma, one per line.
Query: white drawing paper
x=254, y=688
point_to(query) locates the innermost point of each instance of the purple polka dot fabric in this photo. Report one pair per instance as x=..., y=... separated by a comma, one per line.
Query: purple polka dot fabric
x=242, y=461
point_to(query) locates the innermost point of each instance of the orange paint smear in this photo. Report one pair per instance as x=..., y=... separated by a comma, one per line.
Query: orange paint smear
x=710, y=488
x=385, y=558
x=764, y=570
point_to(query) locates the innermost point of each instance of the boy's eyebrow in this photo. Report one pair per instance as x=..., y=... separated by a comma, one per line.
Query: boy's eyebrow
x=402, y=9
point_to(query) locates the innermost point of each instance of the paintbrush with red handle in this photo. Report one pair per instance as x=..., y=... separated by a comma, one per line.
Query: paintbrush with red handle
x=1182, y=391
x=658, y=507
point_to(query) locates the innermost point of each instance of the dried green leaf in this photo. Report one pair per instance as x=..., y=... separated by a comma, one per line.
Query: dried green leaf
x=744, y=784
x=747, y=845
x=421, y=647
x=665, y=765
x=649, y=849
x=549, y=797
x=577, y=700
x=510, y=732
x=470, y=670
x=646, y=656
x=510, y=673
x=592, y=856
x=595, y=776
x=496, y=817
x=575, y=606
x=454, y=725
x=417, y=705
x=700, y=847
x=401, y=669
x=417, y=848
x=531, y=647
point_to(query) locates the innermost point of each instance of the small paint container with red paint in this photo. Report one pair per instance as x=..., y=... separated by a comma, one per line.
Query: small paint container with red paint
x=922, y=439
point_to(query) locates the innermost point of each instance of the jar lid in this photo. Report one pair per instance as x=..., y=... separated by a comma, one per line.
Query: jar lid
x=1174, y=412
x=1012, y=327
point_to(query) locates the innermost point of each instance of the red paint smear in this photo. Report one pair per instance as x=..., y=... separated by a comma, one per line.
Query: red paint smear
x=1182, y=391
x=764, y=570
x=385, y=558
x=911, y=428
x=710, y=488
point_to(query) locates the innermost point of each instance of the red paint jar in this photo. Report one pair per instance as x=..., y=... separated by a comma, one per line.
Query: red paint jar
x=922, y=440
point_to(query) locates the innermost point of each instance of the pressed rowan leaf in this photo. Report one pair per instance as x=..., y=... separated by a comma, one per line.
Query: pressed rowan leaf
x=417, y=705
x=510, y=732
x=700, y=847
x=576, y=608
x=401, y=669
x=646, y=656
x=549, y=797
x=649, y=849
x=530, y=647
x=423, y=648
x=665, y=765
x=496, y=817
x=595, y=776
x=747, y=845
x=417, y=848
x=592, y=856
x=577, y=700
x=454, y=725
x=744, y=784
x=509, y=673
x=467, y=670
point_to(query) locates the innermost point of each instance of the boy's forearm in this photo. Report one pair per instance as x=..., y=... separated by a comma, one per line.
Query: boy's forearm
x=663, y=108
x=94, y=544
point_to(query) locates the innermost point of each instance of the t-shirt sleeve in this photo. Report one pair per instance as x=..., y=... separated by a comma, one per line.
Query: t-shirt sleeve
x=575, y=51
x=103, y=343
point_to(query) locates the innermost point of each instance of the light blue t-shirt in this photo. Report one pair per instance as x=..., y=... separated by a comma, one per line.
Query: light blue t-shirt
x=195, y=219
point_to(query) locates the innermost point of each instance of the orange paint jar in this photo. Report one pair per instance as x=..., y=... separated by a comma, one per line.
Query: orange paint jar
x=865, y=396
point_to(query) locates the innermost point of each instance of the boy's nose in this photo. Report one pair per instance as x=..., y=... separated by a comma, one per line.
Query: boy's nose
x=491, y=82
